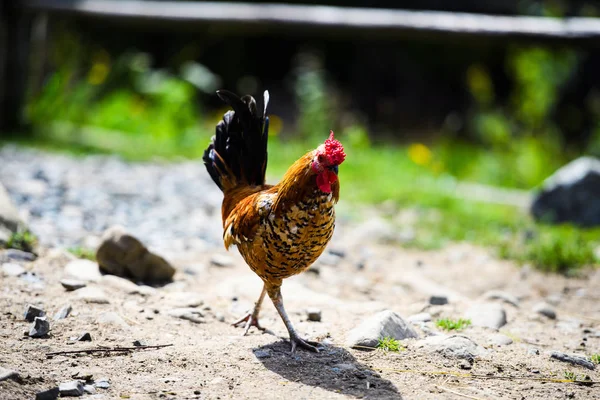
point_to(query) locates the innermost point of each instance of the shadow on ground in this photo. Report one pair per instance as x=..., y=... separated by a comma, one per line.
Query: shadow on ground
x=333, y=369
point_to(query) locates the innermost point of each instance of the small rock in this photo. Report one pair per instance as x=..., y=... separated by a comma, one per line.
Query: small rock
x=342, y=367
x=16, y=255
x=119, y=283
x=83, y=270
x=500, y=295
x=39, y=328
x=532, y=351
x=70, y=389
x=313, y=314
x=438, y=300
x=220, y=317
x=383, y=324
x=545, y=309
x=31, y=312
x=183, y=299
x=418, y=318
x=466, y=363
x=499, y=339
x=573, y=359
x=72, y=284
x=50, y=394
x=89, y=389
x=188, y=313
x=12, y=269
x=93, y=295
x=554, y=299
x=571, y=194
x=121, y=254
x=102, y=383
x=262, y=353
x=84, y=337
x=488, y=315
x=63, y=312
x=221, y=260
x=455, y=346
x=111, y=318
x=8, y=374
x=139, y=343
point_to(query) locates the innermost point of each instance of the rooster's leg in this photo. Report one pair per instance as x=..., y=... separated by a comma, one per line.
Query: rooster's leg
x=295, y=340
x=251, y=319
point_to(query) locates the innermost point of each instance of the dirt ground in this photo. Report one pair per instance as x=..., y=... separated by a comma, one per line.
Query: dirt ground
x=209, y=359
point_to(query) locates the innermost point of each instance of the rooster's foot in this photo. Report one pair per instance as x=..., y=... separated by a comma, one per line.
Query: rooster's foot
x=250, y=320
x=297, y=341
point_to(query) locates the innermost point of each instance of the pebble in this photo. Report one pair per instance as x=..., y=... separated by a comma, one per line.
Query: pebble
x=16, y=255
x=501, y=295
x=39, y=328
x=63, y=312
x=93, y=295
x=89, y=389
x=418, y=318
x=455, y=346
x=488, y=315
x=221, y=260
x=383, y=324
x=102, y=383
x=12, y=269
x=532, y=351
x=262, y=353
x=72, y=284
x=31, y=312
x=573, y=359
x=111, y=318
x=187, y=313
x=438, y=300
x=71, y=389
x=83, y=270
x=84, y=337
x=545, y=309
x=8, y=374
x=139, y=343
x=50, y=394
x=499, y=339
x=313, y=314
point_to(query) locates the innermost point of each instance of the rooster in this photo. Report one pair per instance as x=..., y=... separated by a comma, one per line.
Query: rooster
x=280, y=230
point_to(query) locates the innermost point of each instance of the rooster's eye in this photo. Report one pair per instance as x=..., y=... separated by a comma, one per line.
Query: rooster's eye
x=321, y=158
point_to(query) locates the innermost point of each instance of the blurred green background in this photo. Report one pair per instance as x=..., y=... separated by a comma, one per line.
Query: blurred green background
x=420, y=115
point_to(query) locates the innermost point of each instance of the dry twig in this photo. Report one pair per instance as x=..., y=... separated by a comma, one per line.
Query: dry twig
x=107, y=350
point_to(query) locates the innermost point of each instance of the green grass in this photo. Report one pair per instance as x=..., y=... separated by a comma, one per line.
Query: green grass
x=595, y=358
x=81, y=252
x=373, y=174
x=389, y=344
x=24, y=241
x=569, y=375
x=449, y=324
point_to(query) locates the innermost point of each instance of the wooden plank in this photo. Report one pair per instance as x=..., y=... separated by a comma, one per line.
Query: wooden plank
x=575, y=28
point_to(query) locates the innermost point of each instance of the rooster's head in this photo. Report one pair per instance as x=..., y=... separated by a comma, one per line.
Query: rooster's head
x=326, y=160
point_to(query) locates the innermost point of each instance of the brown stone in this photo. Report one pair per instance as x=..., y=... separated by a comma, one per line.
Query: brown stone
x=123, y=255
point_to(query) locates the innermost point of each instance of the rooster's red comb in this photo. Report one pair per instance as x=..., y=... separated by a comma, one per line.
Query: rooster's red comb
x=335, y=150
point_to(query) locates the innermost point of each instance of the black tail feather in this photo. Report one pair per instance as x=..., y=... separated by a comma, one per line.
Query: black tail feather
x=237, y=154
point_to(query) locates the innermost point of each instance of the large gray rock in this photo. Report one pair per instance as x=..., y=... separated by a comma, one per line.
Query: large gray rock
x=488, y=315
x=123, y=255
x=455, y=346
x=10, y=222
x=571, y=194
x=383, y=324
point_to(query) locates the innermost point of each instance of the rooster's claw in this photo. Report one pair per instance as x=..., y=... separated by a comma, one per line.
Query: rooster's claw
x=250, y=320
x=306, y=344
